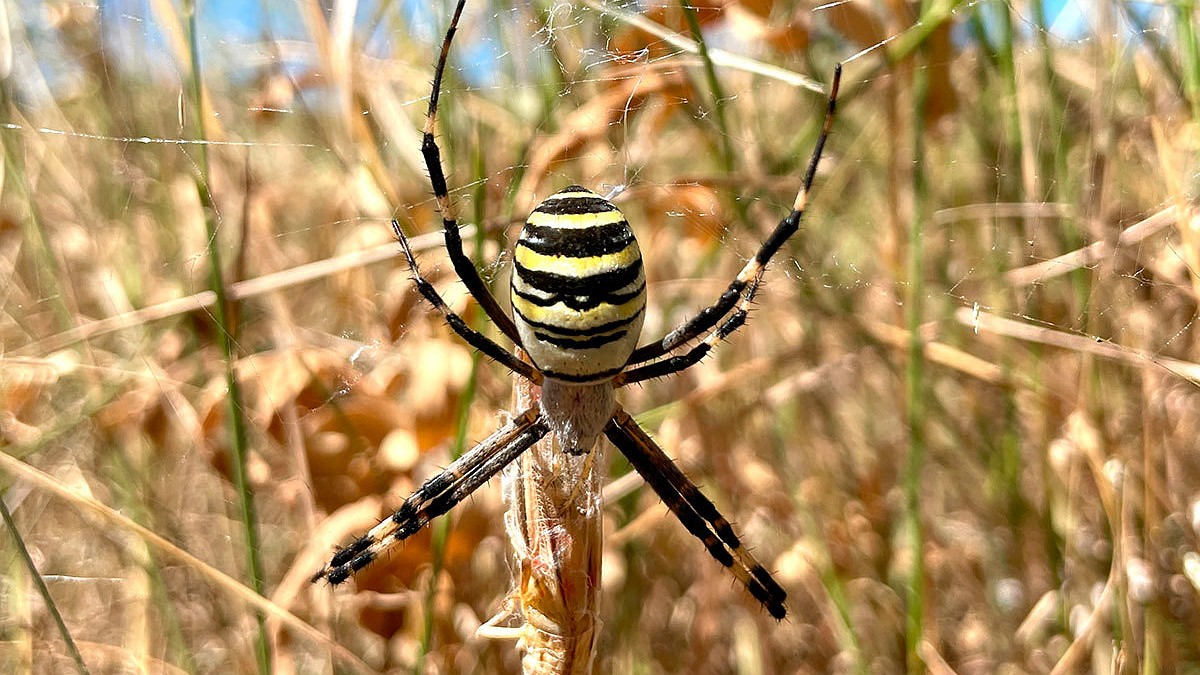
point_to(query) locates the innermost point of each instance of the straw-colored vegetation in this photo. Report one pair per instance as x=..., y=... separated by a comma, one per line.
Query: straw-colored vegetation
x=961, y=426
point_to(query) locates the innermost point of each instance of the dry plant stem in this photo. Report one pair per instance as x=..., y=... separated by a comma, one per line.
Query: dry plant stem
x=989, y=323
x=718, y=57
x=1046, y=270
x=25, y=473
x=240, y=290
x=1082, y=647
x=986, y=211
x=933, y=660
x=334, y=48
x=940, y=353
x=554, y=524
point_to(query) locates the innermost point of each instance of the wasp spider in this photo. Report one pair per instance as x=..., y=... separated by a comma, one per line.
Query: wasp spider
x=578, y=296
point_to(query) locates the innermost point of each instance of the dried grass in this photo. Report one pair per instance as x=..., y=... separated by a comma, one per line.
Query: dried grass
x=1059, y=493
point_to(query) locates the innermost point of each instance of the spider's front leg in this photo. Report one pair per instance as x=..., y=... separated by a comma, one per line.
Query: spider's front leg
x=463, y=266
x=438, y=495
x=472, y=337
x=697, y=353
x=740, y=292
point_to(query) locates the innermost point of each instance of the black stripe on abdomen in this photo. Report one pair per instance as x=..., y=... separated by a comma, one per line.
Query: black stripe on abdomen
x=581, y=303
x=573, y=205
x=577, y=242
x=605, y=283
x=585, y=343
x=579, y=332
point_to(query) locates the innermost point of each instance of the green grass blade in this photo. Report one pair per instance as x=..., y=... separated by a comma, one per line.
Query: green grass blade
x=238, y=438
x=43, y=590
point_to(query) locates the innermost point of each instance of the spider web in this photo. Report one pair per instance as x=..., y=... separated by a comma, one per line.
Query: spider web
x=1014, y=196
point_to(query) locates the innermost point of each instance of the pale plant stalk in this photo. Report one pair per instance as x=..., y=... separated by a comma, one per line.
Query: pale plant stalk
x=554, y=524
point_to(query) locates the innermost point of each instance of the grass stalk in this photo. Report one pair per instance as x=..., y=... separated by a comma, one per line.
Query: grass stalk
x=720, y=105
x=238, y=438
x=441, y=528
x=914, y=376
x=1015, y=141
x=835, y=588
x=1023, y=189
x=125, y=478
x=50, y=273
x=1159, y=48
x=1071, y=238
x=1189, y=52
x=934, y=13
x=43, y=590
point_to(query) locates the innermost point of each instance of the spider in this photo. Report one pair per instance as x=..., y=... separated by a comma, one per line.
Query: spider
x=578, y=296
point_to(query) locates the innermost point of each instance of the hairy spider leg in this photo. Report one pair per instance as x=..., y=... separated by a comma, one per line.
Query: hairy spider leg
x=474, y=338
x=463, y=267
x=438, y=495
x=695, y=511
x=737, y=294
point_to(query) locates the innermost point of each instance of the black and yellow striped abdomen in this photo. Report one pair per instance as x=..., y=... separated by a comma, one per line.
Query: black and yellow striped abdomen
x=578, y=289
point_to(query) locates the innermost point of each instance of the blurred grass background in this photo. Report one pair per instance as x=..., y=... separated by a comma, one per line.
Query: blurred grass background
x=980, y=347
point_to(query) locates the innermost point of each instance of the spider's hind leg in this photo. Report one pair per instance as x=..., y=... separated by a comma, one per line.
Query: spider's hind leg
x=438, y=495
x=695, y=511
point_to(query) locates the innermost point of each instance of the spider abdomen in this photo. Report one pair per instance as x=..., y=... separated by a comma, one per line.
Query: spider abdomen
x=578, y=288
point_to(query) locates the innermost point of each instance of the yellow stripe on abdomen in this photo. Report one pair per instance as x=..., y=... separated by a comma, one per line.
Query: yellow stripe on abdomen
x=577, y=267
x=574, y=220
